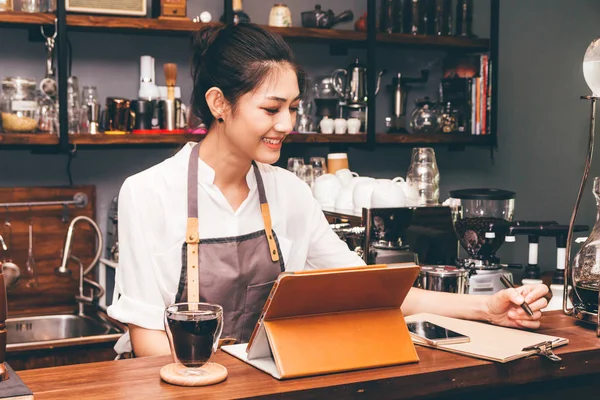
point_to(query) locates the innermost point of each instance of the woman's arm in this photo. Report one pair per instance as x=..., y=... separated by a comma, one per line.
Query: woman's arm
x=502, y=308
x=148, y=342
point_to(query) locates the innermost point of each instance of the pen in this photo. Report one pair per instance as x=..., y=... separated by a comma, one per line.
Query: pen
x=524, y=305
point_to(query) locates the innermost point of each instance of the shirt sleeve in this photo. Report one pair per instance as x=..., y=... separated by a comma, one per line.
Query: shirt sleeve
x=326, y=249
x=137, y=298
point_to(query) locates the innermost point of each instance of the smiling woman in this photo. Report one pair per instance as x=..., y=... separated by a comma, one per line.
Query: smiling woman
x=245, y=78
x=216, y=223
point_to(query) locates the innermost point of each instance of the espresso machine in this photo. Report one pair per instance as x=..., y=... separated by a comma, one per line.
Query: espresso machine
x=396, y=123
x=482, y=218
x=397, y=235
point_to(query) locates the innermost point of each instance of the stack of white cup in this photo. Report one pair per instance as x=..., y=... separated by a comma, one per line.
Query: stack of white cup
x=347, y=192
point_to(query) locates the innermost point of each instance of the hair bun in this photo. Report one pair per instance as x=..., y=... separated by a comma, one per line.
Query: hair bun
x=204, y=38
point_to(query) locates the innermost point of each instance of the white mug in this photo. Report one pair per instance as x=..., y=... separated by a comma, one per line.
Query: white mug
x=326, y=189
x=361, y=195
x=346, y=176
x=353, y=125
x=343, y=202
x=327, y=125
x=340, y=126
x=388, y=195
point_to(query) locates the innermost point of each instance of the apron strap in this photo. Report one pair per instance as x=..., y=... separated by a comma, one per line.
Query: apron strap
x=192, y=237
x=266, y=214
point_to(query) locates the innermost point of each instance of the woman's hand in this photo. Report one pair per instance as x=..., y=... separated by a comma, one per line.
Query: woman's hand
x=504, y=307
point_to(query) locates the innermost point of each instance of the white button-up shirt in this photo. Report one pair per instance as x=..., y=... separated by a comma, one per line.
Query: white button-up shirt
x=152, y=227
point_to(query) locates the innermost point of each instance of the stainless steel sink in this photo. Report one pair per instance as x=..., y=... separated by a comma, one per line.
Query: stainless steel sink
x=29, y=332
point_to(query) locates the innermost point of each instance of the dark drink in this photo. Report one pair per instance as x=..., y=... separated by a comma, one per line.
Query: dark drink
x=587, y=292
x=471, y=233
x=193, y=336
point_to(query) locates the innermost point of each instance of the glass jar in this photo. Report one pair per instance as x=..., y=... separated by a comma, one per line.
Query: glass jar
x=30, y=6
x=482, y=221
x=424, y=118
x=20, y=110
x=586, y=266
x=6, y=5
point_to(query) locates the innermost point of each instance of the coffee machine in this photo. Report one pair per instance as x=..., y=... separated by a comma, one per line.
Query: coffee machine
x=482, y=218
x=397, y=235
x=396, y=123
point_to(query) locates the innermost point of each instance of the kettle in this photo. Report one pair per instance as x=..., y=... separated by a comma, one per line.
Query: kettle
x=353, y=86
x=318, y=18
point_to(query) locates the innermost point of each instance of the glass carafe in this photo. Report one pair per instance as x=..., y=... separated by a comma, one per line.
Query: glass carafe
x=586, y=265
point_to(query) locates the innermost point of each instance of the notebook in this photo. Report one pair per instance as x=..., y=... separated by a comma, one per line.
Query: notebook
x=488, y=342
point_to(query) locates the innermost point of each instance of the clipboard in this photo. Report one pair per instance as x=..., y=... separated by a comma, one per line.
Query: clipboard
x=491, y=342
x=333, y=320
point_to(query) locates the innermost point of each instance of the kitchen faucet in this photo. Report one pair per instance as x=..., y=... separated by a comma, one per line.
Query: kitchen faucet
x=66, y=255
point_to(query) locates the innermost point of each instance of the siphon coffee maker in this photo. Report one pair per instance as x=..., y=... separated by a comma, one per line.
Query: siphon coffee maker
x=193, y=330
x=482, y=218
x=400, y=87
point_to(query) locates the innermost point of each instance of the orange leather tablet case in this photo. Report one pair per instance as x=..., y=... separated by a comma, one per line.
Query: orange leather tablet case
x=325, y=321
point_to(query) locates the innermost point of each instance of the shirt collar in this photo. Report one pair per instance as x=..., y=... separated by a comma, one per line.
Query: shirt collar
x=205, y=173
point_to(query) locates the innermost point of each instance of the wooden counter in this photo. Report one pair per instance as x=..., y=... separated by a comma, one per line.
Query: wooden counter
x=438, y=374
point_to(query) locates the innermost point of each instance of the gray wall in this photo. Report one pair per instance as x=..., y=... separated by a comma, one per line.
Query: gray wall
x=542, y=123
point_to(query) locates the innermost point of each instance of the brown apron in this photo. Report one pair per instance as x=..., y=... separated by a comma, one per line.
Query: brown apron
x=235, y=272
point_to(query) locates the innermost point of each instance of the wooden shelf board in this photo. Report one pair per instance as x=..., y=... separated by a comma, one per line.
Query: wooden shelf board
x=324, y=35
x=434, y=138
x=106, y=140
x=184, y=26
x=321, y=138
x=23, y=18
x=41, y=139
x=448, y=42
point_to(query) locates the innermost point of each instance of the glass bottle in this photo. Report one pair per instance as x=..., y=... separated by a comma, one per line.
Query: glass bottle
x=464, y=18
x=73, y=104
x=443, y=17
x=586, y=265
x=239, y=16
x=386, y=22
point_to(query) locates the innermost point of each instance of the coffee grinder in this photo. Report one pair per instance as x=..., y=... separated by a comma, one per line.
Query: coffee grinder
x=482, y=218
x=396, y=123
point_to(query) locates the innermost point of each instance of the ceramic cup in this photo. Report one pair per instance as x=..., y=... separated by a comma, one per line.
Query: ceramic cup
x=353, y=126
x=388, y=195
x=343, y=202
x=361, y=195
x=327, y=125
x=326, y=189
x=340, y=126
x=336, y=161
x=346, y=176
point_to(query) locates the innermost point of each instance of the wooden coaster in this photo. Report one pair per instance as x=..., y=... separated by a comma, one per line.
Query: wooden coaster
x=216, y=374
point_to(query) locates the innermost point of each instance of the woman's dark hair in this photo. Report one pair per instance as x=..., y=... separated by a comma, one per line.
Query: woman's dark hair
x=236, y=59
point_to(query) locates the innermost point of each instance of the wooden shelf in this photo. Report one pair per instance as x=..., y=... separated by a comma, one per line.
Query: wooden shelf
x=108, y=140
x=435, y=138
x=22, y=18
x=33, y=139
x=321, y=35
x=431, y=41
x=116, y=140
x=186, y=26
x=132, y=24
x=321, y=138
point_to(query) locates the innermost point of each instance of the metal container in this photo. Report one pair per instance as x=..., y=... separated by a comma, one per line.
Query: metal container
x=443, y=278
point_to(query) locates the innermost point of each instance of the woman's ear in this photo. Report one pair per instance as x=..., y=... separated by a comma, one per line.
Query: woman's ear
x=217, y=103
